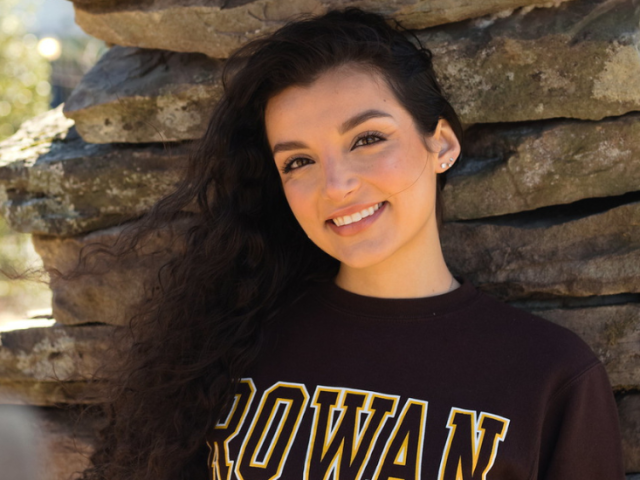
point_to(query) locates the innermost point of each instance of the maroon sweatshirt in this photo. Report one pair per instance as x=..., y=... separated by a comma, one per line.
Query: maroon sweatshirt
x=458, y=386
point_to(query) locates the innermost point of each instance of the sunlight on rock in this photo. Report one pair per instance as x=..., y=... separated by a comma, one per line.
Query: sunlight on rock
x=35, y=318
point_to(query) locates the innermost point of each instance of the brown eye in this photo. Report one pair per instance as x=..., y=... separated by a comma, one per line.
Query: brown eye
x=368, y=139
x=295, y=163
x=298, y=162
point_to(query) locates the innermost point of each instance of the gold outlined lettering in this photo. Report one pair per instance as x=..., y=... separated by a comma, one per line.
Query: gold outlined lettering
x=231, y=424
x=402, y=455
x=273, y=429
x=472, y=446
x=335, y=449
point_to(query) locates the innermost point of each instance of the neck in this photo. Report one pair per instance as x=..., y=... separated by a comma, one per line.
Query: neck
x=403, y=276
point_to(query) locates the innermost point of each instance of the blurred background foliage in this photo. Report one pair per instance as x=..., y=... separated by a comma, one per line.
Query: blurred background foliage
x=43, y=56
x=24, y=73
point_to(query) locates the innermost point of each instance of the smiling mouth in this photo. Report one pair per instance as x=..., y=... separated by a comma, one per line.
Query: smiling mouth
x=356, y=217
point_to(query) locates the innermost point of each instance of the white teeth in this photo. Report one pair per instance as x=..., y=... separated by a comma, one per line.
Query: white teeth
x=356, y=217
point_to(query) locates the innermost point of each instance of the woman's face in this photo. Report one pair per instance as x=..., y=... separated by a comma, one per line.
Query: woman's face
x=358, y=175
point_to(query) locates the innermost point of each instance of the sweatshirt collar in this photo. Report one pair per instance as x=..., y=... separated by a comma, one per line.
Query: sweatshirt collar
x=423, y=307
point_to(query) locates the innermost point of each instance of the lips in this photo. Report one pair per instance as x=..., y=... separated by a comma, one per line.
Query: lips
x=356, y=225
x=356, y=217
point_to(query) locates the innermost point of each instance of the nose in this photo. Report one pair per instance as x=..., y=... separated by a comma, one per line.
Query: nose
x=339, y=181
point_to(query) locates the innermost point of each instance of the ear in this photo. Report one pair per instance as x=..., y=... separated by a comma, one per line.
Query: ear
x=448, y=146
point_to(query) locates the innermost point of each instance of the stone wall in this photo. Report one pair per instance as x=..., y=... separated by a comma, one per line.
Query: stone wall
x=543, y=212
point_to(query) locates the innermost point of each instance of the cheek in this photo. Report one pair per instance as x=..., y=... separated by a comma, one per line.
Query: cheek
x=395, y=169
x=299, y=195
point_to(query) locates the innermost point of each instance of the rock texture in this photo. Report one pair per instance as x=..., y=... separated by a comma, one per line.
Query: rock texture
x=54, y=183
x=532, y=65
x=514, y=167
x=543, y=211
x=490, y=68
x=50, y=365
x=612, y=332
x=595, y=255
x=110, y=287
x=629, y=410
x=139, y=95
x=216, y=28
x=70, y=438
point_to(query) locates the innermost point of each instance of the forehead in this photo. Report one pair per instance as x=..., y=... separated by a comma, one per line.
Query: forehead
x=332, y=97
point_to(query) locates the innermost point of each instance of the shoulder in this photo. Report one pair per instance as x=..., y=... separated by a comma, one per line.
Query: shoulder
x=543, y=347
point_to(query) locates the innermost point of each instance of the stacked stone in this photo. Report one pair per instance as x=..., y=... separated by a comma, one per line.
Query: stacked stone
x=543, y=211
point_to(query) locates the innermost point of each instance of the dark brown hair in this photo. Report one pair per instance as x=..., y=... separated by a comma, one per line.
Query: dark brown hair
x=244, y=256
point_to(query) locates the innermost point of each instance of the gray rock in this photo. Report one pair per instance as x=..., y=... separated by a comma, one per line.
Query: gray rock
x=527, y=66
x=49, y=365
x=612, y=332
x=19, y=443
x=138, y=95
x=64, y=441
x=629, y=411
x=511, y=168
x=54, y=183
x=531, y=65
x=109, y=288
x=594, y=255
x=217, y=28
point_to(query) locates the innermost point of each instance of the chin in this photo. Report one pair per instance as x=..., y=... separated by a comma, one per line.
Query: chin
x=360, y=260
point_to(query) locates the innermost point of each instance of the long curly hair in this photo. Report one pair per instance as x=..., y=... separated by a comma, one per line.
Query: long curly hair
x=243, y=256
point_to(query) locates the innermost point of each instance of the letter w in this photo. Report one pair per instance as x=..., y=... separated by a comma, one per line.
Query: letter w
x=346, y=425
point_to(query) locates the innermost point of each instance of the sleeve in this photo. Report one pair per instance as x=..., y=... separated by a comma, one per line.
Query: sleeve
x=581, y=433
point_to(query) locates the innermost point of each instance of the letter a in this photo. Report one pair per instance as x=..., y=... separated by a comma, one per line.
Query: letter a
x=402, y=456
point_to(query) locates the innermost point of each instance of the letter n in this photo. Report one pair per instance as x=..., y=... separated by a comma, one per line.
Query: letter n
x=275, y=425
x=472, y=446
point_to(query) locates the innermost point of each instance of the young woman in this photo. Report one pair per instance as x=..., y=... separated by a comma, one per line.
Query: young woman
x=310, y=328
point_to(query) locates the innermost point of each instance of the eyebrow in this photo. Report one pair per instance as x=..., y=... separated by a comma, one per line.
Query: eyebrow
x=347, y=125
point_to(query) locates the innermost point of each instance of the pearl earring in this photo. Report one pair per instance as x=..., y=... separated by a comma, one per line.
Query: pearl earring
x=444, y=165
